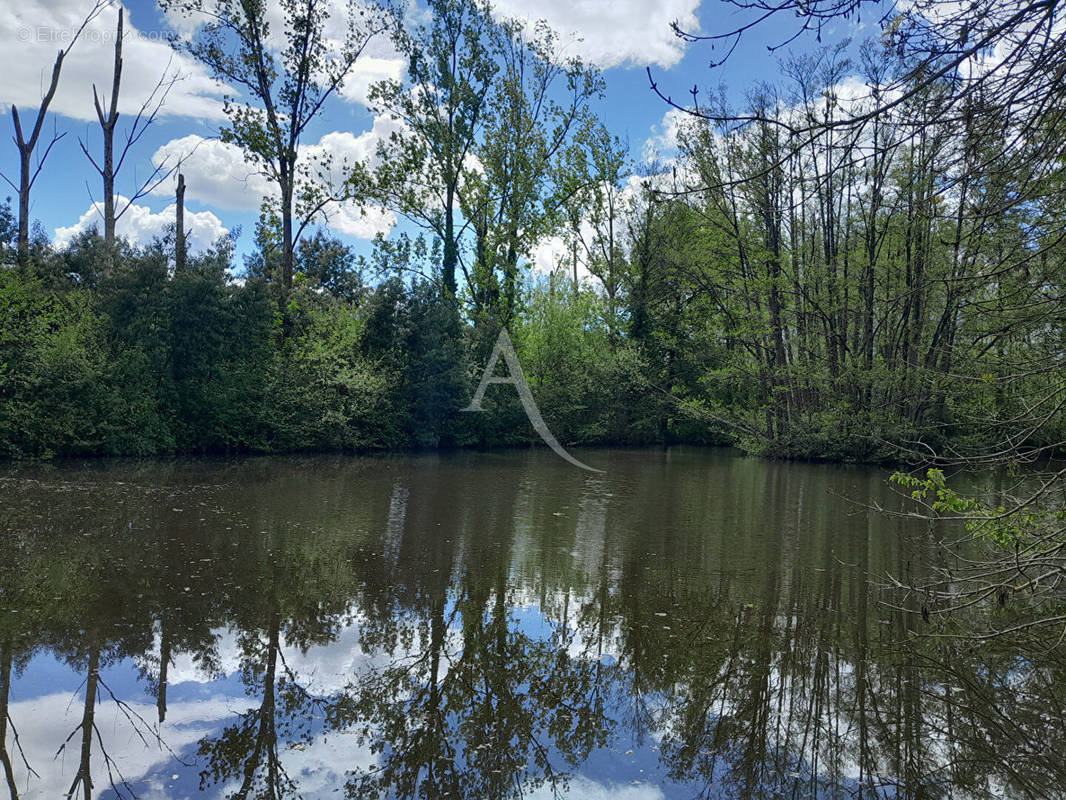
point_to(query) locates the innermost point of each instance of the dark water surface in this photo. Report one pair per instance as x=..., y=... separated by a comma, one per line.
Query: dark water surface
x=691, y=623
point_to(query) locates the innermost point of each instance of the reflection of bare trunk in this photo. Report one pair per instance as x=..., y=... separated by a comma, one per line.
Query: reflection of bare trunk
x=269, y=703
x=5, y=692
x=498, y=692
x=164, y=664
x=758, y=691
x=912, y=739
x=266, y=738
x=88, y=725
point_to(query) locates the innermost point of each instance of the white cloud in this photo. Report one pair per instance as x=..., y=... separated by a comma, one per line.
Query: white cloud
x=662, y=144
x=362, y=223
x=139, y=225
x=217, y=174
x=367, y=71
x=612, y=33
x=36, y=30
x=344, y=149
x=379, y=60
x=319, y=765
x=39, y=719
x=588, y=789
x=549, y=254
x=556, y=253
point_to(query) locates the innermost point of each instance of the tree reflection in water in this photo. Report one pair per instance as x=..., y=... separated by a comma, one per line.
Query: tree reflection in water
x=697, y=623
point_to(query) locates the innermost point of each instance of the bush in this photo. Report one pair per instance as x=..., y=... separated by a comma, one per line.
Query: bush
x=52, y=363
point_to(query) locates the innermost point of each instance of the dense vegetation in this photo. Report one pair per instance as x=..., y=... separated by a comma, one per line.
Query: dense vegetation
x=789, y=283
x=143, y=361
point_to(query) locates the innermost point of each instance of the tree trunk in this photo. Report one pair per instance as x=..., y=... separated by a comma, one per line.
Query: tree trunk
x=24, y=201
x=577, y=286
x=286, y=233
x=5, y=693
x=88, y=726
x=107, y=124
x=451, y=253
x=179, y=227
x=26, y=146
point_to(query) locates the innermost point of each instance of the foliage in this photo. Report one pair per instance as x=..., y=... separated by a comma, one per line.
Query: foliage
x=483, y=121
x=983, y=519
x=325, y=395
x=51, y=369
x=280, y=79
x=872, y=296
x=8, y=232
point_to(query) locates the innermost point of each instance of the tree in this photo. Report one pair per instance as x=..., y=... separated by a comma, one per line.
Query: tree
x=285, y=78
x=8, y=228
x=596, y=208
x=939, y=44
x=180, y=259
x=27, y=144
x=918, y=268
x=537, y=110
x=442, y=106
x=486, y=115
x=109, y=167
x=330, y=265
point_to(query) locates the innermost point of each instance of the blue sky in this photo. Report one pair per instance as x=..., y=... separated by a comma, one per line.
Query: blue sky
x=623, y=37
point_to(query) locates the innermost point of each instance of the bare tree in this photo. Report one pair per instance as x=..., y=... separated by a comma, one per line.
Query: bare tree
x=937, y=42
x=97, y=692
x=6, y=659
x=28, y=172
x=109, y=166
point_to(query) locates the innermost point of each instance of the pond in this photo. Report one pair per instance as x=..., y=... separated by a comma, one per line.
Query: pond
x=690, y=623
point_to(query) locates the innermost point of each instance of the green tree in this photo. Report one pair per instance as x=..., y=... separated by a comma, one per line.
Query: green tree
x=539, y=106
x=285, y=77
x=442, y=104
x=8, y=230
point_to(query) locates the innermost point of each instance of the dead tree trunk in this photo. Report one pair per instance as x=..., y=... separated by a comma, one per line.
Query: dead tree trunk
x=88, y=727
x=28, y=144
x=107, y=125
x=179, y=227
x=26, y=147
x=111, y=162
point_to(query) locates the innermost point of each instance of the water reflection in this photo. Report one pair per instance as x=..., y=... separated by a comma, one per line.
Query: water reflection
x=690, y=624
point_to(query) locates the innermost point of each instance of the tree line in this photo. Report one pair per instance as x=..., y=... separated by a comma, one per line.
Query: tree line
x=862, y=262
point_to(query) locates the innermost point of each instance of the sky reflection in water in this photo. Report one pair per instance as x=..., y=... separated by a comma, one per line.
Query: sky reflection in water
x=689, y=624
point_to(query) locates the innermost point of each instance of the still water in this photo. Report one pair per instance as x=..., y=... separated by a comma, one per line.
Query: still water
x=689, y=624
